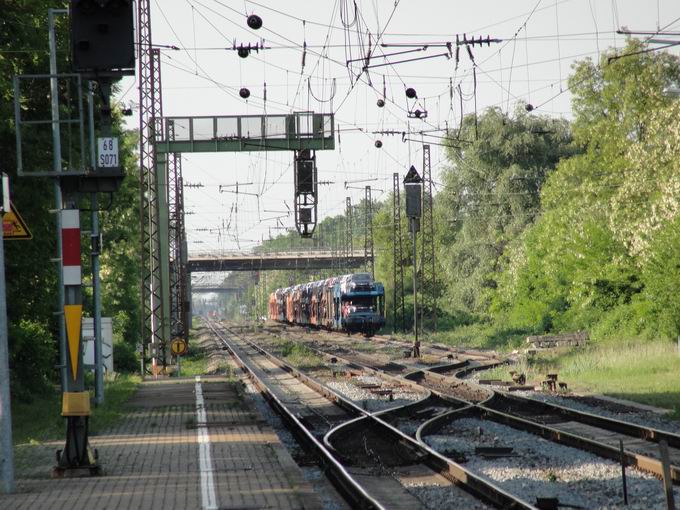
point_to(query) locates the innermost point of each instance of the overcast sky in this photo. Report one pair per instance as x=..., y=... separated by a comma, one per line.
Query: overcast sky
x=540, y=41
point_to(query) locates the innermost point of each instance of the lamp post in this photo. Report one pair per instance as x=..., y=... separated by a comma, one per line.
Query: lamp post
x=6, y=448
x=413, y=186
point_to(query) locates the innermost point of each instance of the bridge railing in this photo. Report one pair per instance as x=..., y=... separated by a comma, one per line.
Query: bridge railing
x=224, y=254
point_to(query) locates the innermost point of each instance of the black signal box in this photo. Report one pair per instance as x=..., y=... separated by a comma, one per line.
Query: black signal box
x=305, y=175
x=102, y=37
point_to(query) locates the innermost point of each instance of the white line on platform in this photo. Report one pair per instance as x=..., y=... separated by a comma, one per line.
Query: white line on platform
x=208, y=498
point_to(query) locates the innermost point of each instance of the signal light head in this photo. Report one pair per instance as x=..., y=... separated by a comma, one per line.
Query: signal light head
x=378, y=144
x=244, y=93
x=254, y=22
x=243, y=52
x=380, y=103
x=411, y=93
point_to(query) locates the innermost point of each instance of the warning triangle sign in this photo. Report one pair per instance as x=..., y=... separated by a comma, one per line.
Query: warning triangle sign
x=73, y=316
x=14, y=227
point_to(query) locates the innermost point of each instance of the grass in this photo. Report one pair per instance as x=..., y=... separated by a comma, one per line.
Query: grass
x=474, y=336
x=40, y=419
x=646, y=372
x=194, y=364
x=299, y=355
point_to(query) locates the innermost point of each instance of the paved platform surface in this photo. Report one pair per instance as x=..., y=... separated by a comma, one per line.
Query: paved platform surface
x=171, y=452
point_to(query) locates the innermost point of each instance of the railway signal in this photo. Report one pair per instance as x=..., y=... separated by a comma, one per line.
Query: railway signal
x=305, y=192
x=413, y=187
x=102, y=50
x=102, y=37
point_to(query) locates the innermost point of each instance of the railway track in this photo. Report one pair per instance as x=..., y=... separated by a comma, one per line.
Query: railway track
x=368, y=458
x=599, y=434
x=587, y=431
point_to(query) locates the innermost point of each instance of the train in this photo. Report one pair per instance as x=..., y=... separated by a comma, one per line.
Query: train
x=352, y=303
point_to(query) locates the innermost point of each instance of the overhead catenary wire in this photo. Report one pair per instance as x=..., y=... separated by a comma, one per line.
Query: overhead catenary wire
x=393, y=115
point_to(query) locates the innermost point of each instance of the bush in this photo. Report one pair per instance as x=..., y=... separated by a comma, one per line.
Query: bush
x=32, y=358
x=125, y=358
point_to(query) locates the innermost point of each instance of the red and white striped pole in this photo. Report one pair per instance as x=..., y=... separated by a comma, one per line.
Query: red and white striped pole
x=75, y=406
x=70, y=246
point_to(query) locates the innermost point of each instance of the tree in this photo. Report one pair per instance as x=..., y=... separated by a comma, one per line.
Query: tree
x=580, y=263
x=498, y=166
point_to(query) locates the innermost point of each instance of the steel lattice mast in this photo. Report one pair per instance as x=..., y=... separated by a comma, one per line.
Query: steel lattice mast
x=349, y=243
x=150, y=107
x=427, y=258
x=368, y=232
x=398, y=307
x=178, y=317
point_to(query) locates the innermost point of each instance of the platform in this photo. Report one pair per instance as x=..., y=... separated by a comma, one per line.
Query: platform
x=183, y=444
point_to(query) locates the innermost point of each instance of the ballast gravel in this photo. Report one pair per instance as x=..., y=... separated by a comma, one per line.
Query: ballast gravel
x=540, y=468
x=641, y=417
x=644, y=418
x=436, y=498
x=369, y=400
x=313, y=474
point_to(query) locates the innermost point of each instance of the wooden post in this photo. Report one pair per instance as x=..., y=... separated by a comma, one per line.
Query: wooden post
x=623, y=473
x=667, y=481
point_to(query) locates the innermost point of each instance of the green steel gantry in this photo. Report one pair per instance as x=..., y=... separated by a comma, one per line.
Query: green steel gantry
x=235, y=133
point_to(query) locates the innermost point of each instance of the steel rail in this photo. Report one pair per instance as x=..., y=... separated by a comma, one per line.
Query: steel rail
x=486, y=411
x=509, y=409
x=347, y=485
x=452, y=471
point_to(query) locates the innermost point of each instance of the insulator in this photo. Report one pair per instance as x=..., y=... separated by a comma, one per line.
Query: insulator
x=244, y=93
x=411, y=93
x=380, y=103
x=254, y=22
x=378, y=144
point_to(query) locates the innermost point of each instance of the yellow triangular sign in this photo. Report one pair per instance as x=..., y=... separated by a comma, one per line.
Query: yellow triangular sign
x=13, y=225
x=73, y=317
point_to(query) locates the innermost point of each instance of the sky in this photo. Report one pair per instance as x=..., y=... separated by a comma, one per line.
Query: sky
x=539, y=42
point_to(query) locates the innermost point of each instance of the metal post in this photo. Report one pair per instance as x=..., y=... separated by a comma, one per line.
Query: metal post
x=666, y=471
x=398, y=312
x=6, y=448
x=416, y=345
x=56, y=166
x=413, y=188
x=96, y=287
x=623, y=472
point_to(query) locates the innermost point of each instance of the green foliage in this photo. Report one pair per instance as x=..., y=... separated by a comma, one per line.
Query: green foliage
x=125, y=357
x=491, y=193
x=600, y=255
x=31, y=274
x=299, y=355
x=661, y=275
x=32, y=356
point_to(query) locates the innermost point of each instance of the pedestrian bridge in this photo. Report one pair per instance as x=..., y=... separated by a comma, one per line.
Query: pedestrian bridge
x=303, y=260
x=216, y=289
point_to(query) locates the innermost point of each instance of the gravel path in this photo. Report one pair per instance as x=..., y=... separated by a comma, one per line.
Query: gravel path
x=545, y=469
x=368, y=400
